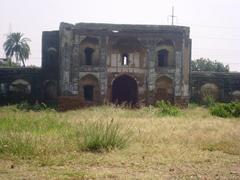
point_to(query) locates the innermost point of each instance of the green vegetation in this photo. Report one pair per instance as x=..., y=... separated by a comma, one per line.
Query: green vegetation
x=98, y=136
x=203, y=64
x=108, y=142
x=166, y=109
x=25, y=106
x=28, y=137
x=17, y=45
x=209, y=101
x=226, y=110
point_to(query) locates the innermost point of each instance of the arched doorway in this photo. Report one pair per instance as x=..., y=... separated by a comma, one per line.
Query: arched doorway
x=209, y=90
x=164, y=89
x=20, y=90
x=125, y=90
x=89, y=89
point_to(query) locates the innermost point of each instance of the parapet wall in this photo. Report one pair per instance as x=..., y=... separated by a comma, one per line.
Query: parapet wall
x=224, y=87
x=19, y=84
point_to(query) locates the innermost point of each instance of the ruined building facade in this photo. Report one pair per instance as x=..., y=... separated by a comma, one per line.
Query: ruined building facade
x=97, y=63
x=88, y=64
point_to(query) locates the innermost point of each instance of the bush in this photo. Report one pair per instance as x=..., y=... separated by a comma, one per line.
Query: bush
x=34, y=107
x=209, y=101
x=226, y=110
x=166, y=109
x=98, y=136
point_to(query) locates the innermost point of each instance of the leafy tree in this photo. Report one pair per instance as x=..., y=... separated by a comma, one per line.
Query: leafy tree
x=203, y=64
x=17, y=45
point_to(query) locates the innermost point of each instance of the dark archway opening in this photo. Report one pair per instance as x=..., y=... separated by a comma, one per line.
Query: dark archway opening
x=163, y=58
x=125, y=90
x=88, y=55
x=88, y=92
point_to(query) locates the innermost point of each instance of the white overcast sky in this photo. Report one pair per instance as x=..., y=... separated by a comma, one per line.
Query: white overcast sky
x=215, y=24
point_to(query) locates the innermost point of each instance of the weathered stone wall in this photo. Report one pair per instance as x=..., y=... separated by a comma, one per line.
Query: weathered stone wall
x=19, y=84
x=84, y=61
x=109, y=44
x=50, y=66
x=223, y=87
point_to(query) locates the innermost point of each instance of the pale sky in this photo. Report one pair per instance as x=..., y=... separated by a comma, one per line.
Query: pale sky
x=215, y=24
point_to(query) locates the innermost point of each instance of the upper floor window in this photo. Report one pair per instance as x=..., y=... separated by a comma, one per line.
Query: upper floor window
x=125, y=60
x=88, y=55
x=163, y=58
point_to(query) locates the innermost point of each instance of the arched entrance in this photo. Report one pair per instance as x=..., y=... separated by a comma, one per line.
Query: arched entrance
x=164, y=89
x=124, y=90
x=89, y=89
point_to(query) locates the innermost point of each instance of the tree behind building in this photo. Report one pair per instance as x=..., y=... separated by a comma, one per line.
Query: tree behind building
x=17, y=45
x=203, y=64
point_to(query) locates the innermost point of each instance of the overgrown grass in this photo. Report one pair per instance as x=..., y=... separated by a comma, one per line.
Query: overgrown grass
x=30, y=135
x=99, y=135
x=68, y=142
x=18, y=144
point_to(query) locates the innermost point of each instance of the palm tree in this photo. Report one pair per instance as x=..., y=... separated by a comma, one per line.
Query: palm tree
x=18, y=46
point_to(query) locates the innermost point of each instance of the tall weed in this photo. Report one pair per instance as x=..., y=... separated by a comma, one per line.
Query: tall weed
x=98, y=136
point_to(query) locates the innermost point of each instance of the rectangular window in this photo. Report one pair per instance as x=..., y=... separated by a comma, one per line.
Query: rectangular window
x=88, y=92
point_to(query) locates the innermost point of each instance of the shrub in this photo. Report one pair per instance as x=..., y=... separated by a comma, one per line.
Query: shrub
x=166, y=109
x=98, y=136
x=226, y=110
x=209, y=101
x=34, y=107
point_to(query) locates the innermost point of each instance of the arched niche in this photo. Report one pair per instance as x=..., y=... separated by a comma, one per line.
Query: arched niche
x=127, y=45
x=164, y=89
x=236, y=95
x=50, y=90
x=89, y=51
x=209, y=90
x=89, y=89
x=20, y=86
x=165, y=54
x=52, y=55
x=127, y=51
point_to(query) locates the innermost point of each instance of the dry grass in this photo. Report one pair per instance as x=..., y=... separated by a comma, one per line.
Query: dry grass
x=194, y=145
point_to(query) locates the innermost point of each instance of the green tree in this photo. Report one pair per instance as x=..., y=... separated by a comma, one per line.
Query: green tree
x=17, y=45
x=203, y=64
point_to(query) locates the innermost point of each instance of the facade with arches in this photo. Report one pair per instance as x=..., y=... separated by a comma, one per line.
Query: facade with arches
x=19, y=84
x=134, y=64
x=87, y=64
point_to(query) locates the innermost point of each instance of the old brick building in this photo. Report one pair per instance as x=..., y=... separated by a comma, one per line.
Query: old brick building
x=95, y=63
x=87, y=64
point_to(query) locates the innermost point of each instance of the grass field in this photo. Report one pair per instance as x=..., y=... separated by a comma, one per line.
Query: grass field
x=53, y=145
